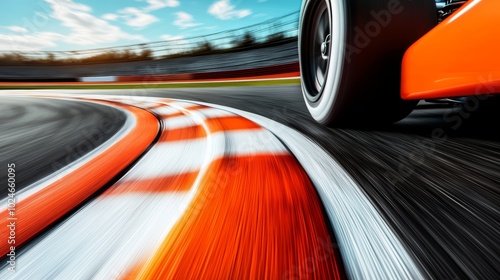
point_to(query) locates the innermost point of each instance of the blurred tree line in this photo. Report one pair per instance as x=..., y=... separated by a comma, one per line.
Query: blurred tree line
x=110, y=56
x=243, y=42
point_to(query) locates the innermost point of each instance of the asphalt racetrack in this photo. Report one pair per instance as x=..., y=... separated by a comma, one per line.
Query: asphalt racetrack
x=43, y=135
x=432, y=178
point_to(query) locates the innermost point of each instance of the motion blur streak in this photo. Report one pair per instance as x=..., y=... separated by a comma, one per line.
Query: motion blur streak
x=231, y=198
x=363, y=235
x=55, y=200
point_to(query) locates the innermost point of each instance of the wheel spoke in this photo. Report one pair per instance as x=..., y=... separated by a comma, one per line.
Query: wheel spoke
x=321, y=29
x=320, y=71
x=321, y=62
x=320, y=75
x=319, y=39
x=325, y=24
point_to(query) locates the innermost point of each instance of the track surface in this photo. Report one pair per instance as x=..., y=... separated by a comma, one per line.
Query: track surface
x=434, y=176
x=42, y=135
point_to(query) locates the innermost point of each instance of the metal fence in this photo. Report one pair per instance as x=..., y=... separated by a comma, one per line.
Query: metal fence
x=273, y=31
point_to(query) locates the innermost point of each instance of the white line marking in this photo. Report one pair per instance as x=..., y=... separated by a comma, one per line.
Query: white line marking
x=170, y=158
x=211, y=113
x=182, y=121
x=179, y=104
x=165, y=110
x=248, y=143
x=104, y=239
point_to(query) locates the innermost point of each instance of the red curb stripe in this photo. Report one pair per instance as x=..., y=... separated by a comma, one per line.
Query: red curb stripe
x=230, y=123
x=253, y=218
x=183, y=134
x=51, y=203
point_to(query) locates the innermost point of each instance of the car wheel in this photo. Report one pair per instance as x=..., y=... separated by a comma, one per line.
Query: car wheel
x=350, y=57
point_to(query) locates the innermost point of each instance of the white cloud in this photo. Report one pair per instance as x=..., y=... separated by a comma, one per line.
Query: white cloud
x=168, y=37
x=69, y=5
x=110, y=17
x=141, y=17
x=259, y=15
x=205, y=28
x=17, y=29
x=137, y=18
x=86, y=29
x=160, y=4
x=222, y=9
x=185, y=20
x=27, y=42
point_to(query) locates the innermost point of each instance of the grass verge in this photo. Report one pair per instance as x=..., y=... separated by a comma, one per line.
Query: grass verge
x=146, y=85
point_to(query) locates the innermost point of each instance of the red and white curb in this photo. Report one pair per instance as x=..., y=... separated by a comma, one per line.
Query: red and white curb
x=223, y=194
x=215, y=185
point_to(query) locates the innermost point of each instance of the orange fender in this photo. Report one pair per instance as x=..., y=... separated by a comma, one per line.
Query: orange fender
x=459, y=57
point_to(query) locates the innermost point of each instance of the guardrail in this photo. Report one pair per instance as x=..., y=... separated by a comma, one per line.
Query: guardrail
x=256, y=58
x=268, y=33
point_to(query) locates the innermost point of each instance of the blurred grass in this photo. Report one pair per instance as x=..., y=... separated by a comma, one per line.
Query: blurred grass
x=145, y=85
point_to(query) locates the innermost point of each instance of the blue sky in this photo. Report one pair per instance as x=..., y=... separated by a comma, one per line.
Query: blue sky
x=48, y=25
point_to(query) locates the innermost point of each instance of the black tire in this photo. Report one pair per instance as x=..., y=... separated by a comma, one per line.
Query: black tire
x=356, y=80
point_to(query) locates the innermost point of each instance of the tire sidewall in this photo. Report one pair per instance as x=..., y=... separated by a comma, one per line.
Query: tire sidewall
x=322, y=110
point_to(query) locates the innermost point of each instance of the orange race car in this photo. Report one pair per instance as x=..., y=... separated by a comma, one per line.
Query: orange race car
x=371, y=61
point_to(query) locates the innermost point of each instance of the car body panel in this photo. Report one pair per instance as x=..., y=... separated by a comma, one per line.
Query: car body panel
x=459, y=57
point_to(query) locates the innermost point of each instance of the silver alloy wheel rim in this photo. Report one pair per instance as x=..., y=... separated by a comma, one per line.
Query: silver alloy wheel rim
x=318, y=48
